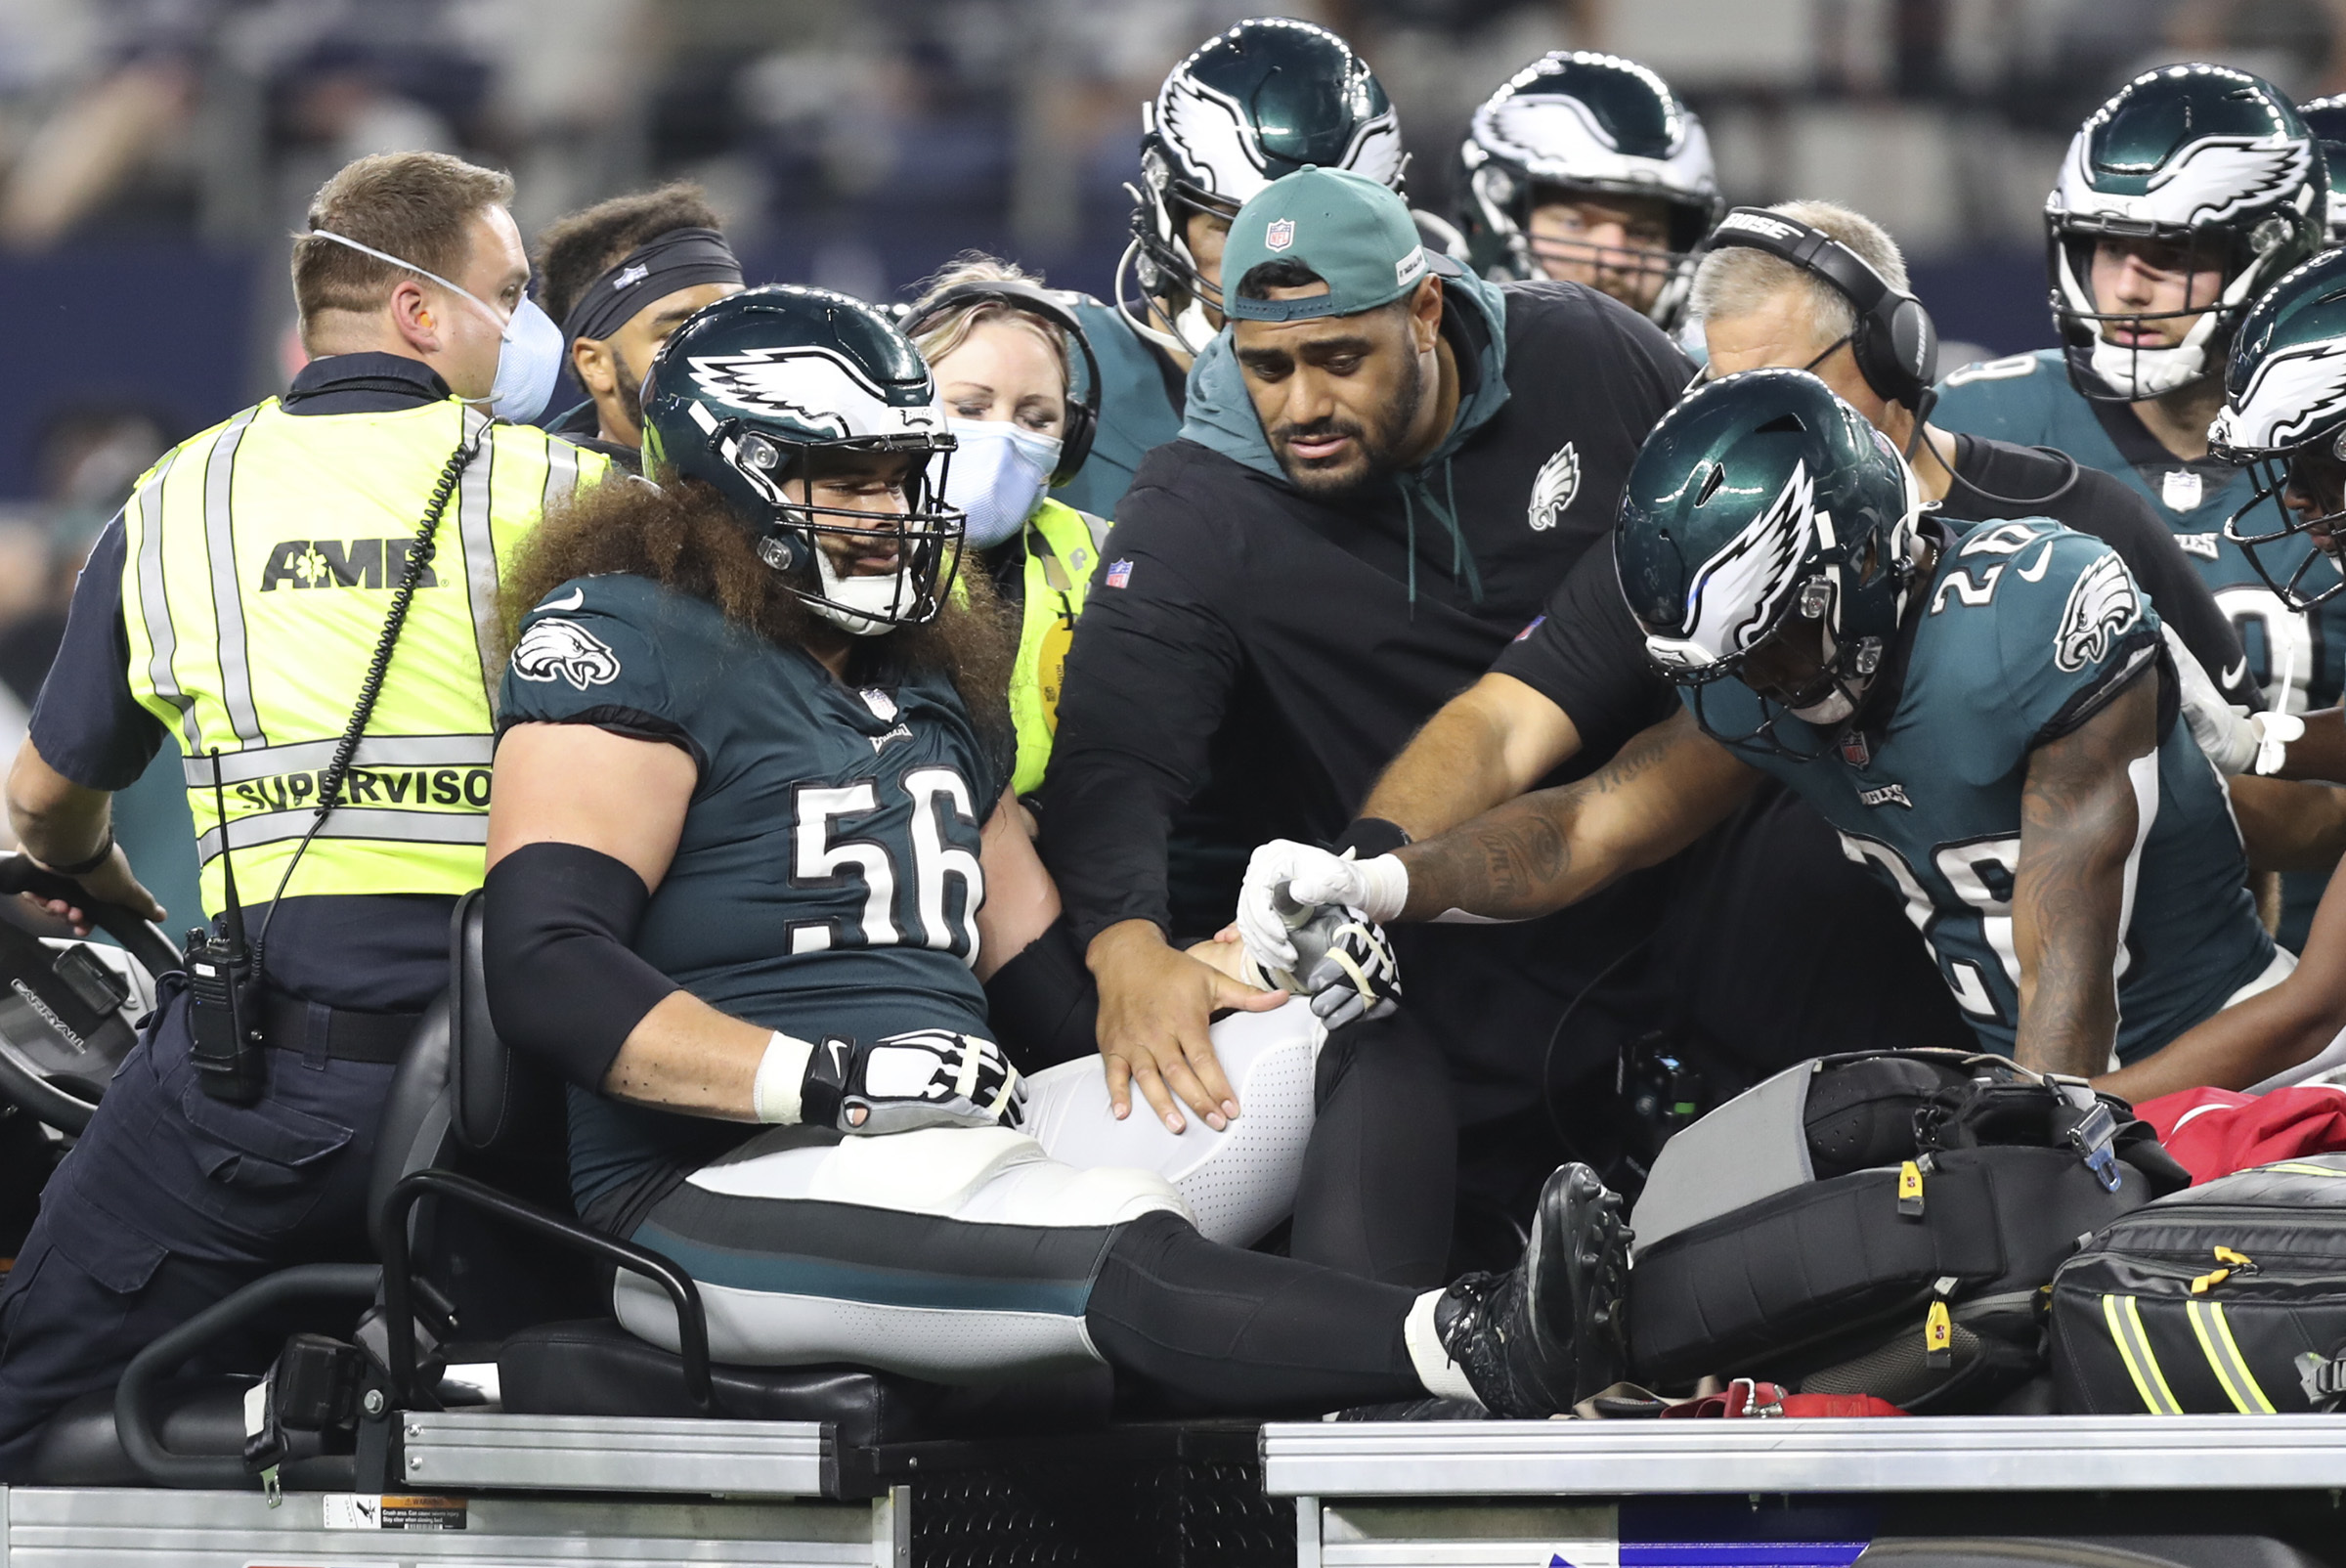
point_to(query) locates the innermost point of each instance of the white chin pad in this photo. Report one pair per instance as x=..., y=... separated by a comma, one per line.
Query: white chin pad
x=878, y=598
x=1831, y=711
x=2147, y=373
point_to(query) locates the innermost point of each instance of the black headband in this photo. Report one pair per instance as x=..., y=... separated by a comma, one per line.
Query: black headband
x=659, y=267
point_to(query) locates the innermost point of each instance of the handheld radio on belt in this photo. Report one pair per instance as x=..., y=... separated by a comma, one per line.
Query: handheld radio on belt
x=224, y=975
x=224, y=1000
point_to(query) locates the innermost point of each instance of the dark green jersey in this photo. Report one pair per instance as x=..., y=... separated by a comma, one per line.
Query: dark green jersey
x=1140, y=407
x=2294, y=656
x=827, y=879
x=2025, y=628
x=2027, y=399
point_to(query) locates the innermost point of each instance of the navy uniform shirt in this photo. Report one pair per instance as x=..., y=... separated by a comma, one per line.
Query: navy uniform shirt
x=2024, y=631
x=827, y=879
x=2297, y=660
x=382, y=952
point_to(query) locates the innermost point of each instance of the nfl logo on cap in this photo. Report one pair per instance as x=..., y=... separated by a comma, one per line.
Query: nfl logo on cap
x=1280, y=233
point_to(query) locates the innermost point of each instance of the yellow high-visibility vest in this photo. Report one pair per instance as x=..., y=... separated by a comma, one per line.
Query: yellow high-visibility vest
x=260, y=559
x=1061, y=549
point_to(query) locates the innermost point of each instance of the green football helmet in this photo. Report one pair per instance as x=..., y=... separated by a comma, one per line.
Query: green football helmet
x=2284, y=418
x=1251, y=105
x=1758, y=502
x=1581, y=123
x=2325, y=118
x=2194, y=155
x=753, y=385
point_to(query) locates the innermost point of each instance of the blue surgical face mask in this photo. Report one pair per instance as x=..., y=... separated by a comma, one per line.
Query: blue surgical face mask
x=529, y=356
x=997, y=476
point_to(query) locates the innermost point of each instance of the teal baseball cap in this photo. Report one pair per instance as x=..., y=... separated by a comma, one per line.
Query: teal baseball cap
x=1353, y=232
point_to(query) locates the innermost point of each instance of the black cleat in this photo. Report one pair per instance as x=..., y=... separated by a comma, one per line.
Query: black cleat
x=1539, y=1339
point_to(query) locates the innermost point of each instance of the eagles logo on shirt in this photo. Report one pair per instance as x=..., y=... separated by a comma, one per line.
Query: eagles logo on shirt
x=2102, y=604
x=1554, y=485
x=556, y=650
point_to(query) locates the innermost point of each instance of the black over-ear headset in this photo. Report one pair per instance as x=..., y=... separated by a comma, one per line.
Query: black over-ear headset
x=1083, y=416
x=1894, y=344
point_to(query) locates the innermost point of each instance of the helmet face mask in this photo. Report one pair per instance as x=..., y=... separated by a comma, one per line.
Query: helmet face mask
x=1249, y=105
x=766, y=394
x=1764, y=513
x=1577, y=125
x=2201, y=157
x=2284, y=421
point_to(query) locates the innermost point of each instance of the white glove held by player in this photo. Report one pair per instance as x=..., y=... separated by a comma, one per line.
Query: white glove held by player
x=1288, y=882
x=2235, y=742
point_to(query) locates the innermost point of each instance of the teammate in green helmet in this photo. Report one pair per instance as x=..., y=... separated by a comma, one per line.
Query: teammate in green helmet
x=1587, y=168
x=1978, y=715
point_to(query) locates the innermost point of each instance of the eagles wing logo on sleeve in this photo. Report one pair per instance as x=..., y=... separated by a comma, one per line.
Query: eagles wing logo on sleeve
x=2102, y=604
x=556, y=650
x=1553, y=488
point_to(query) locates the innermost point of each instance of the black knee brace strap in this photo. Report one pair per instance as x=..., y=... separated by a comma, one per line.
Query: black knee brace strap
x=564, y=985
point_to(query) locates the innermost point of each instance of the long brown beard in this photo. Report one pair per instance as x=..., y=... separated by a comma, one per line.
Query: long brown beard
x=685, y=538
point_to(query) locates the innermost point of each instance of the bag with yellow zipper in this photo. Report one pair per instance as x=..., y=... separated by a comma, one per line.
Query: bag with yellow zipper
x=1882, y=1223
x=2229, y=1297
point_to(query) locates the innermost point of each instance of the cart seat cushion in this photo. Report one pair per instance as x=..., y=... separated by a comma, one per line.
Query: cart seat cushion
x=202, y=1417
x=596, y=1368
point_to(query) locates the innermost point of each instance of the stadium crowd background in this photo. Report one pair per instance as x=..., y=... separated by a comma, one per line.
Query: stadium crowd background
x=154, y=156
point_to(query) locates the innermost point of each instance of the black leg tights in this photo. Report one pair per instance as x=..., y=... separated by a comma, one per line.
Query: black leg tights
x=1380, y=1169
x=1217, y=1328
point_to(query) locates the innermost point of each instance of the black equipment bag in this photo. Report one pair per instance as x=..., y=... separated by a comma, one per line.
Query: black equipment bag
x=1880, y=1223
x=2229, y=1297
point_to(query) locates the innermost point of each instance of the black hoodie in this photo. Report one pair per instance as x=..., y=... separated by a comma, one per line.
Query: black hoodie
x=1295, y=644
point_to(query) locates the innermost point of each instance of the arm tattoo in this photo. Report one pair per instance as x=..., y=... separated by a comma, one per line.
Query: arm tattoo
x=2078, y=823
x=1540, y=852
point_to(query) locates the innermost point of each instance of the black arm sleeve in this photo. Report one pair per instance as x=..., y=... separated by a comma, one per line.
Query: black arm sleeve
x=1586, y=655
x=1148, y=678
x=1043, y=1004
x=85, y=722
x=564, y=986
x=2105, y=508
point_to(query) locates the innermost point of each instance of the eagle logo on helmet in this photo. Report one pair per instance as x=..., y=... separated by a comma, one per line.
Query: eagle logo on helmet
x=556, y=650
x=1741, y=590
x=2211, y=181
x=808, y=384
x=2103, y=603
x=1219, y=139
x=2291, y=396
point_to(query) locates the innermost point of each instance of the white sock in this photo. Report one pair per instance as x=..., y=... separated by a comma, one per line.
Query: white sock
x=1443, y=1377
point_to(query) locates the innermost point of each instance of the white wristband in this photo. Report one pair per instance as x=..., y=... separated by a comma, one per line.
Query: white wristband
x=1384, y=888
x=780, y=1072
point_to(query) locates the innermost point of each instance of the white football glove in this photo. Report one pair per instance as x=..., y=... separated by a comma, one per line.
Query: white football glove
x=1289, y=885
x=921, y=1079
x=2235, y=742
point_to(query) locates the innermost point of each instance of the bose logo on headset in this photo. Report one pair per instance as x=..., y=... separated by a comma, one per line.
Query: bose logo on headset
x=1756, y=223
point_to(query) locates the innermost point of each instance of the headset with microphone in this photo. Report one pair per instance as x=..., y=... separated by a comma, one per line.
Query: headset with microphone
x=1894, y=342
x=1029, y=299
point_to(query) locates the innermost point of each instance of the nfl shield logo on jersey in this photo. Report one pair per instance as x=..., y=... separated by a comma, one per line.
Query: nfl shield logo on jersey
x=1280, y=233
